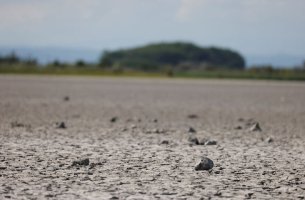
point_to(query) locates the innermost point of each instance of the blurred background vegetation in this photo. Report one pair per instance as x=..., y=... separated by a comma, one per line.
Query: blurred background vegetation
x=157, y=60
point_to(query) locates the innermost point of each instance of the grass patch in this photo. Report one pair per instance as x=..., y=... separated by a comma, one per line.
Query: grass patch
x=92, y=70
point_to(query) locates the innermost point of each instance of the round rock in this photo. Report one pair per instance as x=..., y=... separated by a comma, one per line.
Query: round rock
x=205, y=164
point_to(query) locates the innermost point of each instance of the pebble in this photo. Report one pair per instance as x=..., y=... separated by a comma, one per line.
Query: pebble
x=255, y=127
x=19, y=125
x=192, y=116
x=269, y=140
x=205, y=164
x=66, y=98
x=191, y=130
x=61, y=125
x=248, y=195
x=210, y=142
x=165, y=142
x=113, y=119
x=84, y=162
x=203, y=141
x=193, y=139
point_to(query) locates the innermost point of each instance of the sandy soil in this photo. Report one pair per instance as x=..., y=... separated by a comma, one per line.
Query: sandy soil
x=135, y=134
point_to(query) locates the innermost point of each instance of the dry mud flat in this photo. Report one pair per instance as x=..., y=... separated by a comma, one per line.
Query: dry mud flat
x=129, y=138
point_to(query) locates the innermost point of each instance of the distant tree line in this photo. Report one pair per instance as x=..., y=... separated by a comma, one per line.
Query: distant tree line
x=178, y=56
x=169, y=59
x=13, y=59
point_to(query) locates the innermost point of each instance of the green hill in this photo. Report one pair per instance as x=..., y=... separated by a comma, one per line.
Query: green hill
x=179, y=56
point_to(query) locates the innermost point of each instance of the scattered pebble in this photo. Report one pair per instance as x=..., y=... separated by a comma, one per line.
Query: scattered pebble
x=269, y=140
x=203, y=141
x=165, y=142
x=218, y=194
x=66, y=98
x=205, y=164
x=238, y=127
x=16, y=124
x=193, y=139
x=248, y=195
x=192, y=116
x=210, y=142
x=255, y=127
x=93, y=165
x=61, y=125
x=191, y=130
x=113, y=119
x=158, y=130
x=84, y=162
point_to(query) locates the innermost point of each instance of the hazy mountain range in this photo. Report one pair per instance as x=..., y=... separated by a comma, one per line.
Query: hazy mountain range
x=48, y=54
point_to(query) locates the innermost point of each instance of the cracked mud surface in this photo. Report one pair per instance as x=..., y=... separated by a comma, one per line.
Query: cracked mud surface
x=145, y=153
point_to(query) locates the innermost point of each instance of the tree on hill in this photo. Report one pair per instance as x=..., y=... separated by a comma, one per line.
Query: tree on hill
x=155, y=57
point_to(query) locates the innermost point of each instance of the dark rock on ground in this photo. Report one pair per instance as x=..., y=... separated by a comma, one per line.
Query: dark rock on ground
x=210, y=142
x=165, y=142
x=255, y=127
x=93, y=165
x=203, y=141
x=191, y=130
x=16, y=124
x=269, y=140
x=205, y=164
x=248, y=195
x=192, y=116
x=84, y=162
x=193, y=139
x=66, y=98
x=61, y=125
x=113, y=119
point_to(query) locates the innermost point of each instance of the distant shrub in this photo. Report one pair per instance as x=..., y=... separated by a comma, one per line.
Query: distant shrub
x=80, y=63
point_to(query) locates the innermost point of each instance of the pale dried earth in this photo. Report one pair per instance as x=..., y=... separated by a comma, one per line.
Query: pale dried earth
x=144, y=153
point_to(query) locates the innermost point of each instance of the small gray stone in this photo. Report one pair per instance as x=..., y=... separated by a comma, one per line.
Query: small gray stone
x=210, y=142
x=203, y=141
x=66, y=98
x=205, y=164
x=269, y=140
x=84, y=162
x=249, y=195
x=192, y=116
x=191, y=130
x=165, y=142
x=255, y=127
x=193, y=139
x=61, y=125
x=113, y=119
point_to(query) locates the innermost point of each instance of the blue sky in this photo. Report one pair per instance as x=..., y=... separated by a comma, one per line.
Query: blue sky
x=248, y=26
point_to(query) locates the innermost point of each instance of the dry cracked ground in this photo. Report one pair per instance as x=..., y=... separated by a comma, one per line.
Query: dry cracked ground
x=123, y=138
